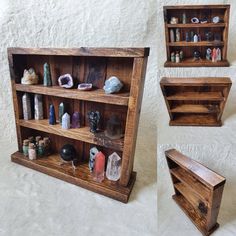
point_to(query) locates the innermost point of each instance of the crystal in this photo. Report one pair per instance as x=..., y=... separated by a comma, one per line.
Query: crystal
x=172, y=36
x=114, y=128
x=216, y=19
x=65, y=121
x=85, y=86
x=29, y=77
x=174, y=20
x=38, y=107
x=68, y=152
x=65, y=81
x=75, y=120
x=196, y=55
x=92, y=153
x=184, y=18
x=94, y=118
x=61, y=111
x=47, y=81
x=177, y=35
x=26, y=103
x=113, y=167
x=112, y=85
x=195, y=20
x=52, y=116
x=214, y=56
x=195, y=38
x=218, y=54
x=208, y=54
x=99, y=166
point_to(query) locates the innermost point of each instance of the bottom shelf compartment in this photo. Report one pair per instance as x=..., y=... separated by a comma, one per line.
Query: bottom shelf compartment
x=82, y=177
x=191, y=119
x=195, y=217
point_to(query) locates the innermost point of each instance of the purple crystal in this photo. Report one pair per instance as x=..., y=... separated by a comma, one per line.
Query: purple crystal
x=75, y=120
x=65, y=81
x=85, y=86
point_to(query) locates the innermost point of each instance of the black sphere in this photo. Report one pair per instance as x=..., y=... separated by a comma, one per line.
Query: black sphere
x=68, y=152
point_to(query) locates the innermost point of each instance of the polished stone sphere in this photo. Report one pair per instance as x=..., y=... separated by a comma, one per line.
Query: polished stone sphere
x=68, y=152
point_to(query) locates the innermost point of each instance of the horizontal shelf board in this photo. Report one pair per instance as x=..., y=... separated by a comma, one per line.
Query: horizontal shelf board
x=97, y=95
x=184, y=176
x=197, y=96
x=81, y=176
x=195, y=108
x=189, y=62
x=193, y=81
x=83, y=51
x=190, y=25
x=191, y=197
x=203, y=174
x=192, y=7
x=195, y=44
x=197, y=219
x=82, y=134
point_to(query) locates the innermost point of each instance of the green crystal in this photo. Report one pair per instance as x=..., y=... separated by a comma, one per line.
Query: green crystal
x=61, y=111
x=47, y=81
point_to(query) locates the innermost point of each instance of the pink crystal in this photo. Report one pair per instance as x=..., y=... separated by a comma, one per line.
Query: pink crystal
x=99, y=166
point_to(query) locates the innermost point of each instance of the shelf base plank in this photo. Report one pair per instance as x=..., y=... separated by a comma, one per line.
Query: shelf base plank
x=198, y=221
x=195, y=120
x=82, y=177
x=196, y=96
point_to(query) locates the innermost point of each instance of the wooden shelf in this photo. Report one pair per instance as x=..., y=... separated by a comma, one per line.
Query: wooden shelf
x=82, y=134
x=81, y=176
x=194, y=108
x=196, y=96
x=190, y=25
x=97, y=95
x=189, y=62
x=196, y=44
x=198, y=190
x=185, y=177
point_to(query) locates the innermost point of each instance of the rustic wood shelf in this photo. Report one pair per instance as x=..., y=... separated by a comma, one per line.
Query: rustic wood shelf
x=195, y=101
x=97, y=95
x=51, y=165
x=86, y=65
x=198, y=190
x=218, y=32
x=82, y=134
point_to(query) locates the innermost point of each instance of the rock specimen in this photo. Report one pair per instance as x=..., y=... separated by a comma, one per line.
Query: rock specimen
x=216, y=19
x=65, y=121
x=112, y=85
x=75, y=123
x=114, y=128
x=38, y=107
x=195, y=20
x=94, y=118
x=68, y=153
x=66, y=81
x=47, y=80
x=113, y=167
x=92, y=153
x=26, y=104
x=99, y=166
x=52, y=116
x=29, y=77
x=85, y=86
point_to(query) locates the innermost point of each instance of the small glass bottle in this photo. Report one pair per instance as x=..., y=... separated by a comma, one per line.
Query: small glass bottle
x=25, y=147
x=41, y=148
x=177, y=58
x=47, y=146
x=32, y=152
x=31, y=139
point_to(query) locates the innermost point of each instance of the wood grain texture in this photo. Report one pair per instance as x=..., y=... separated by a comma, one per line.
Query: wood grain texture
x=81, y=176
x=83, y=51
x=198, y=190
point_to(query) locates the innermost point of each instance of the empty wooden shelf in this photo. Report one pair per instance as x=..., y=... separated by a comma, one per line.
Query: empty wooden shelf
x=198, y=190
x=86, y=65
x=195, y=101
x=209, y=35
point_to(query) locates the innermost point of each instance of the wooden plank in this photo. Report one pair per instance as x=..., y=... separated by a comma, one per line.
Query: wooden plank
x=190, y=7
x=195, y=108
x=82, y=134
x=198, y=220
x=83, y=51
x=81, y=176
x=96, y=95
x=206, y=25
x=200, y=172
x=134, y=107
x=196, y=44
x=185, y=177
x=196, y=96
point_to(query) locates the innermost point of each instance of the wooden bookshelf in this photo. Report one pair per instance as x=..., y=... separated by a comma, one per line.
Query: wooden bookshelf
x=94, y=65
x=195, y=101
x=198, y=190
x=199, y=11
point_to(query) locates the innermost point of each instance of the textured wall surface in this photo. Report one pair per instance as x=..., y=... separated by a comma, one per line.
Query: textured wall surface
x=214, y=147
x=41, y=205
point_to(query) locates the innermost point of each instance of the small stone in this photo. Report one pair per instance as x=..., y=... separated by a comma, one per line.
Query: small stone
x=99, y=166
x=216, y=19
x=85, y=86
x=113, y=167
x=112, y=85
x=29, y=77
x=66, y=81
x=68, y=153
x=75, y=120
x=65, y=121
